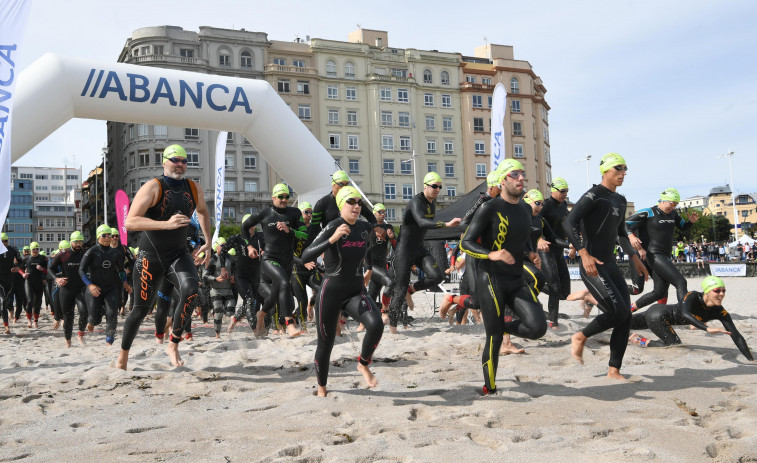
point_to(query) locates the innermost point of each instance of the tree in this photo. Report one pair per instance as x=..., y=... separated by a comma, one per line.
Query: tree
x=704, y=227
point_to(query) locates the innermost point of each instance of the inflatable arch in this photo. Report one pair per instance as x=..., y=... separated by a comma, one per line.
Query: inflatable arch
x=55, y=89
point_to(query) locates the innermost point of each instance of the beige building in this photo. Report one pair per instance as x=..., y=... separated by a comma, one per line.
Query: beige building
x=526, y=121
x=721, y=203
x=694, y=202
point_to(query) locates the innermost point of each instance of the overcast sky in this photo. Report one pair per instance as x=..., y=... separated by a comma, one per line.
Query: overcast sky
x=670, y=85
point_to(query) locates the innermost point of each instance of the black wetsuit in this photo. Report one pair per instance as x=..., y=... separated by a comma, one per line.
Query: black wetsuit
x=66, y=265
x=655, y=230
x=376, y=262
x=325, y=211
x=553, y=262
x=34, y=285
x=343, y=290
x=419, y=217
x=246, y=273
x=8, y=260
x=690, y=311
x=164, y=254
x=302, y=277
x=534, y=277
x=19, y=288
x=599, y=218
x=220, y=292
x=498, y=225
x=103, y=266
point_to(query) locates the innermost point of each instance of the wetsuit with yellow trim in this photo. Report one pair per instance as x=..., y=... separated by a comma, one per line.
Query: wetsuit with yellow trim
x=498, y=225
x=553, y=261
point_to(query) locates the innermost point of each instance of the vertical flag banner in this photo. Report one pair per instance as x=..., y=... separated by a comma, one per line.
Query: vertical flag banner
x=499, y=107
x=122, y=210
x=13, y=17
x=220, y=175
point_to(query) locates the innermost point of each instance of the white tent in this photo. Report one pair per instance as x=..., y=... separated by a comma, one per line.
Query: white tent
x=743, y=240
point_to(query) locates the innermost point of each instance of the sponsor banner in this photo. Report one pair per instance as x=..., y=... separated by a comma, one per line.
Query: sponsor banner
x=220, y=176
x=499, y=108
x=122, y=210
x=574, y=272
x=728, y=270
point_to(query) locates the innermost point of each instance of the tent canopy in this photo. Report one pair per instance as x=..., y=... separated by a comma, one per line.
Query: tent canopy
x=743, y=240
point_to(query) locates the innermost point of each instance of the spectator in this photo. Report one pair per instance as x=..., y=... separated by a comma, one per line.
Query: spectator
x=721, y=252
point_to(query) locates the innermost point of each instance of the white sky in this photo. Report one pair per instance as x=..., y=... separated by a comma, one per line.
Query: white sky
x=669, y=85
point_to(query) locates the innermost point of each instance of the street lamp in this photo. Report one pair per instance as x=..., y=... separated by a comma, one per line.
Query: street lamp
x=733, y=198
x=415, y=171
x=586, y=159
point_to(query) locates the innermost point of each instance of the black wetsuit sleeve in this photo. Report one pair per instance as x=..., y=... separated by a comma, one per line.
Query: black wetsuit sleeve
x=368, y=215
x=318, y=210
x=469, y=243
x=549, y=235
x=738, y=339
x=466, y=220
x=623, y=240
x=321, y=242
x=251, y=222
x=415, y=208
x=637, y=220
x=682, y=223
x=687, y=311
x=84, y=266
x=573, y=221
x=54, y=266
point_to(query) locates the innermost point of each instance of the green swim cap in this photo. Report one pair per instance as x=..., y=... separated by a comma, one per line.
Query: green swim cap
x=340, y=176
x=232, y=252
x=379, y=207
x=33, y=245
x=3, y=236
x=670, y=194
x=280, y=189
x=26, y=248
x=134, y=250
x=42, y=253
x=174, y=151
x=103, y=230
x=202, y=254
x=114, y=231
x=221, y=240
x=64, y=245
x=533, y=196
x=246, y=216
x=76, y=236
x=304, y=205
x=507, y=166
x=432, y=177
x=559, y=183
x=345, y=194
x=712, y=282
x=609, y=161
x=493, y=178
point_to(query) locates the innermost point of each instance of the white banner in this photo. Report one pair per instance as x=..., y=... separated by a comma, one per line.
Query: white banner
x=13, y=17
x=728, y=270
x=575, y=273
x=499, y=108
x=220, y=176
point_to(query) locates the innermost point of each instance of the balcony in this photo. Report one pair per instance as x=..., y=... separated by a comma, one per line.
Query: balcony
x=169, y=59
x=395, y=79
x=476, y=87
x=291, y=69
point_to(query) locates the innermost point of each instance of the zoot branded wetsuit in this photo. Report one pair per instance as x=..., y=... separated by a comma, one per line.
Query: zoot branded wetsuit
x=497, y=225
x=419, y=217
x=34, y=285
x=599, y=217
x=66, y=265
x=8, y=260
x=553, y=262
x=692, y=310
x=164, y=254
x=343, y=290
x=655, y=229
x=533, y=276
x=376, y=262
x=246, y=273
x=102, y=266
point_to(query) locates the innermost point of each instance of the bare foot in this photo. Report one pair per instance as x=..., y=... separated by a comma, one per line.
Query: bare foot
x=614, y=373
x=370, y=379
x=393, y=329
x=122, y=360
x=360, y=327
x=638, y=340
x=322, y=392
x=385, y=318
x=68, y=343
x=29, y=323
x=81, y=341
x=7, y=329
x=90, y=327
x=577, y=342
x=159, y=340
x=35, y=324
x=173, y=354
x=56, y=324
x=260, y=325
x=444, y=308
x=692, y=327
x=586, y=308
x=508, y=349
x=292, y=331
x=231, y=325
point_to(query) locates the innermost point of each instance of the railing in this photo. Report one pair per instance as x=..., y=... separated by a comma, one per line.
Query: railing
x=291, y=69
x=166, y=59
x=380, y=78
x=472, y=86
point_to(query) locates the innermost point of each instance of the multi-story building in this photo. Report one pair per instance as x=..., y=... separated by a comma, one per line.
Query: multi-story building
x=134, y=152
x=721, y=203
x=526, y=124
x=698, y=202
x=19, y=224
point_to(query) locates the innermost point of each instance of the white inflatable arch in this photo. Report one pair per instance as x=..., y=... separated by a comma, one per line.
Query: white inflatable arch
x=55, y=89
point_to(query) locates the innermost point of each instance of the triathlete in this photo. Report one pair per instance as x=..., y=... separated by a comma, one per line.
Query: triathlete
x=102, y=270
x=65, y=267
x=593, y=226
x=533, y=275
x=161, y=210
x=553, y=264
x=128, y=257
x=419, y=217
x=220, y=288
x=246, y=274
x=344, y=242
x=654, y=227
x=303, y=274
x=696, y=308
x=326, y=210
x=280, y=223
x=376, y=259
x=19, y=284
x=9, y=261
x=35, y=269
x=499, y=236
x=54, y=288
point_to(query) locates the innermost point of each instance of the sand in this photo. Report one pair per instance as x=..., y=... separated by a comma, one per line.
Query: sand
x=247, y=399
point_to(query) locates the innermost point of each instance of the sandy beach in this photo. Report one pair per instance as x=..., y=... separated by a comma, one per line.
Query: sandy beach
x=247, y=399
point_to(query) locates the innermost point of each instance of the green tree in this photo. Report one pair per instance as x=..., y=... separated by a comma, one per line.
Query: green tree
x=704, y=227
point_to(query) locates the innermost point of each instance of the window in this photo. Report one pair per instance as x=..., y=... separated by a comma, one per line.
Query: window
x=445, y=78
x=250, y=186
x=470, y=79
x=250, y=162
x=280, y=61
x=489, y=99
x=283, y=86
x=480, y=170
x=133, y=186
x=351, y=93
x=56, y=177
x=230, y=138
x=132, y=160
x=351, y=117
x=391, y=214
x=191, y=134
x=405, y=144
x=477, y=101
x=144, y=158
x=303, y=111
x=544, y=114
x=486, y=80
x=157, y=49
x=396, y=72
x=386, y=118
x=229, y=160
x=514, y=87
x=430, y=123
x=298, y=63
x=390, y=191
x=518, y=151
x=517, y=128
x=333, y=116
x=446, y=101
x=229, y=213
x=246, y=60
x=143, y=130
x=431, y=146
x=451, y=191
x=547, y=157
x=406, y=167
x=447, y=124
x=387, y=142
x=427, y=78
x=431, y=167
x=330, y=68
x=479, y=147
x=428, y=99
x=349, y=70
x=303, y=87
x=26, y=176
x=407, y=191
x=334, y=141
x=449, y=169
x=224, y=59
x=49, y=236
x=40, y=187
x=515, y=106
x=230, y=184
x=545, y=135
x=193, y=158
x=352, y=142
x=478, y=124
x=386, y=93
x=354, y=166
x=388, y=166
x=186, y=53
x=448, y=147
x=160, y=130
x=402, y=95
x=332, y=92
x=403, y=119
